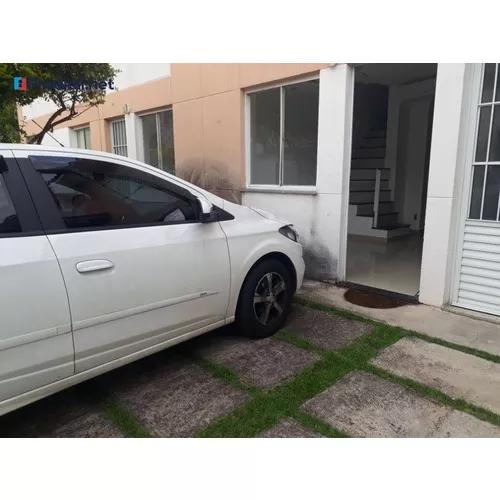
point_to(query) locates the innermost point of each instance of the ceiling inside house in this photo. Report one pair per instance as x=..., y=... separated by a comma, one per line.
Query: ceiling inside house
x=395, y=73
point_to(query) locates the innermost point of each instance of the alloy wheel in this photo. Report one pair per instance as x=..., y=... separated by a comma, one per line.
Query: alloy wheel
x=269, y=298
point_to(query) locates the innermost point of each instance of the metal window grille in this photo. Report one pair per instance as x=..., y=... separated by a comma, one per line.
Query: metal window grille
x=119, y=137
x=484, y=202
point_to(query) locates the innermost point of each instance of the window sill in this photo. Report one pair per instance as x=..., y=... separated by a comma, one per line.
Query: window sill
x=282, y=189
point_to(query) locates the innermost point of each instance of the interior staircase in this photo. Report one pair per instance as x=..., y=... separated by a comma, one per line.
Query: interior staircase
x=368, y=156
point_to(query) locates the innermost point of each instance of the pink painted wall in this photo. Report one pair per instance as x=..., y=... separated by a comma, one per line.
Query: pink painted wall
x=208, y=111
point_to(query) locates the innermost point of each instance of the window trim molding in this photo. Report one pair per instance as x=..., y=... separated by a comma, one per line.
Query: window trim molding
x=280, y=188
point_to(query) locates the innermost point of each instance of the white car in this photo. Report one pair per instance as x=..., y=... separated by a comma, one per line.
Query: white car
x=104, y=260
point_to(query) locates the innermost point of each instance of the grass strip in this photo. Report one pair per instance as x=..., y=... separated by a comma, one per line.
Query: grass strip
x=225, y=374
x=266, y=409
x=124, y=419
x=317, y=425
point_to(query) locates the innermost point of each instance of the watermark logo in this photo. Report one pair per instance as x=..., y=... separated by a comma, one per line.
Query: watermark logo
x=20, y=83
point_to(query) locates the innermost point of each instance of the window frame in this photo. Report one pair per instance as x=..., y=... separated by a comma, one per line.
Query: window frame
x=79, y=130
x=50, y=215
x=20, y=198
x=288, y=188
x=155, y=112
x=112, y=136
x=479, y=105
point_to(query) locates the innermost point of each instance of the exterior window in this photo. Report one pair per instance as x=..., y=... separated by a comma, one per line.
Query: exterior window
x=9, y=223
x=119, y=137
x=97, y=194
x=284, y=135
x=485, y=191
x=83, y=138
x=158, y=140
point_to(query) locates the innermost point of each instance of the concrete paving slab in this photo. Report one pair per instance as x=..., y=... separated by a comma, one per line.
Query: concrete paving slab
x=61, y=415
x=325, y=330
x=457, y=328
x=178, y=398
x=90, y=425
x=363, y=405
x=265, y=362
x=457, y=374
x=289, y=428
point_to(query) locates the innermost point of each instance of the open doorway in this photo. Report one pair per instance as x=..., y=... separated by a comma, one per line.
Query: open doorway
x=391, y=137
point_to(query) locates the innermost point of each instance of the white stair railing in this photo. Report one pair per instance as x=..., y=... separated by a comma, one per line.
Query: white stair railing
x=376, y=197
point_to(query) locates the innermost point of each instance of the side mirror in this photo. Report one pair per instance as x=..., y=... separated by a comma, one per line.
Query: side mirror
x=206, y=210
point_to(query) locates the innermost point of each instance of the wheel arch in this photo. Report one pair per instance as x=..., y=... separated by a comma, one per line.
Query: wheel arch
x=281, y=257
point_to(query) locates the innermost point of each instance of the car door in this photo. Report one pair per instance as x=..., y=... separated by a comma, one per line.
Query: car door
x=139, y=267
x=36, y=346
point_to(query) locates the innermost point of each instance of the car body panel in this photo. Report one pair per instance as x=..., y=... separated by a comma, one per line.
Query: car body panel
x=149, y=287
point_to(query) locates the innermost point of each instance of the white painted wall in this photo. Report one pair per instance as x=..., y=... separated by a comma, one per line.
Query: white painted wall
x=450, y=129
x=411, y=159
x=136, y=73
x=321, y=218
x=130, y=74
x=63, y=135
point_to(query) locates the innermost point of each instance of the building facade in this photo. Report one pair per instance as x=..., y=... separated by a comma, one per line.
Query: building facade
x=390, y=172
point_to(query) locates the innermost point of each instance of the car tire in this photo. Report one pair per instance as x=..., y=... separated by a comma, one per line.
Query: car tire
x=265, y=299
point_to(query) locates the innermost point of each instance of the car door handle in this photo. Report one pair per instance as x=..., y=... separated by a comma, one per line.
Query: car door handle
x=89, y=266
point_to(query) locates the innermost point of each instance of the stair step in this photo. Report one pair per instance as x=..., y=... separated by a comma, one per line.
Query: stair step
x=367, y=190
x=371, y=142
x=380, y=215
x=356, y=185
x=368, y=196
x=375, y=153
x=366, y=208
x=368, y=174
x=390, y=227
x=368, y=163
x=371, y=203
x=376, y=133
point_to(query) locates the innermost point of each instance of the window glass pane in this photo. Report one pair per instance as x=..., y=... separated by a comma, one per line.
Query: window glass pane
x=9, y=222
x=150, y=140
x=83, y=138
x=167, y=141
x=477, y=192
x=265, y=137
x=490, y=207
x=488, y=82
x=482, y=134
x=93, y=194
x=301, y=133
x=86, y=134
x=495, y=135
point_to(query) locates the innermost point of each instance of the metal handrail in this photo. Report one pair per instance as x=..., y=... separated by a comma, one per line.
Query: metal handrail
x=376, y=197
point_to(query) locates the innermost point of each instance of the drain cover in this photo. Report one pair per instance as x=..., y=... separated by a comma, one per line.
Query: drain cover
x=373, y=299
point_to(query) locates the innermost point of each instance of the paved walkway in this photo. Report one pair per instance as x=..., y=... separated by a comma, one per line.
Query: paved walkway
x=461, y=329
x=323, y=375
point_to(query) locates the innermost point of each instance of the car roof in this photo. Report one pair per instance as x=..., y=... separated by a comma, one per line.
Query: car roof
x=132, y=162
x=56, y=149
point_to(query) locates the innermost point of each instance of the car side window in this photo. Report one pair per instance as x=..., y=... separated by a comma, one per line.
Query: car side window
x=99, y=194
x=9, y=222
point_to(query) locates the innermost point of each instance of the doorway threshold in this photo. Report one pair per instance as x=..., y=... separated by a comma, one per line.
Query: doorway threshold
x=409, y=299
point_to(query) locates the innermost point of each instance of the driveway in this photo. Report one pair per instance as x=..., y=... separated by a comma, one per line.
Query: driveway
x=327, y=373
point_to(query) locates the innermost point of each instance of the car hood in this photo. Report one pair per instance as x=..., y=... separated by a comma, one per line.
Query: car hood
x=269, y=215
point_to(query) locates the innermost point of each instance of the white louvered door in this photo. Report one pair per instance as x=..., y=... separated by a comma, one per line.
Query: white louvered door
x=478, y=284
